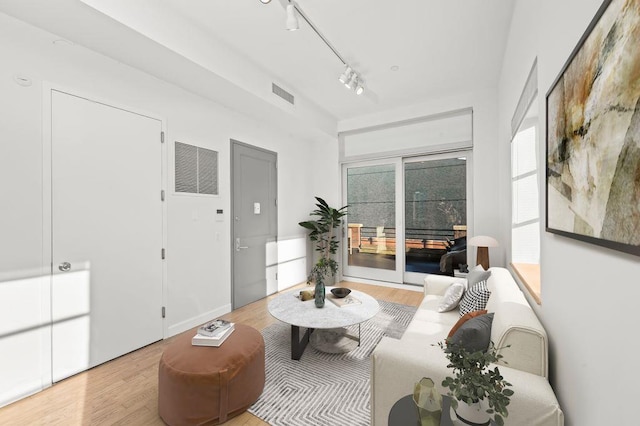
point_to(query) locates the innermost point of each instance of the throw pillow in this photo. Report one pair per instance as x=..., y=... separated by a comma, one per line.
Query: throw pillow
x=474, y=335
x=476, y=275
x=475, y=298
x=451, y=297
x=463, y=319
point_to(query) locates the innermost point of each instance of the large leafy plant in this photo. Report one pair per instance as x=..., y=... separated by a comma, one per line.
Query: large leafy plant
x=473, y=380
x=322, y=234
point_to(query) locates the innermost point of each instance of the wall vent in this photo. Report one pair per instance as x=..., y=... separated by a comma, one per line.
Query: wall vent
x=196, y=169
x=282, y=93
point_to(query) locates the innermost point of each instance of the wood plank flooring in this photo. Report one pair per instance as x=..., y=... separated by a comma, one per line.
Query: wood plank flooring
x=124, y=391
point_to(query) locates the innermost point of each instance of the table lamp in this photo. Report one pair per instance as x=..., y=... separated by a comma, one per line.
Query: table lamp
x=483, y=243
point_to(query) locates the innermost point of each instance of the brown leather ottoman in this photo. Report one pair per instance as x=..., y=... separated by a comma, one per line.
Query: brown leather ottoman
x=204, y=385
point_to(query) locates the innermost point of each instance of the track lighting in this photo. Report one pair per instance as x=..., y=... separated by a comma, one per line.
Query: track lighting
x=346, y=75
x=349, y=77
x=292, y=19
x=265, y=1
x=351, y=80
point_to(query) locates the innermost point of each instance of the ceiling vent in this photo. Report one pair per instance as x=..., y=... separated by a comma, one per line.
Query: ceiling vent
x=282, y=93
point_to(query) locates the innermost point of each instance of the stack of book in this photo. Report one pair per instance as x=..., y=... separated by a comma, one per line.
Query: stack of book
x=213, y=333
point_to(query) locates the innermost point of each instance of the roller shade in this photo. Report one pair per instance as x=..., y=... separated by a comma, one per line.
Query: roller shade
x=437, y=133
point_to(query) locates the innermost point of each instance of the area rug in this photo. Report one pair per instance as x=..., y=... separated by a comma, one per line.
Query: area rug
x=323, y=388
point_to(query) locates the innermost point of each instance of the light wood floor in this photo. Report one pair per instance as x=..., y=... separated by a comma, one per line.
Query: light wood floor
x=125, y=391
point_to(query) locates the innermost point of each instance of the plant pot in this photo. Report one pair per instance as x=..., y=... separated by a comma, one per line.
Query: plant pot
x=319, y=295
x=473, y=414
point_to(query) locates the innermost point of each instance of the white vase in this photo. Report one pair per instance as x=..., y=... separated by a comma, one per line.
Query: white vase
x=473, y=414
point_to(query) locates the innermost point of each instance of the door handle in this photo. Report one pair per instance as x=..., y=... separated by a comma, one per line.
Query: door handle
x=238, y=247
x=64, y=266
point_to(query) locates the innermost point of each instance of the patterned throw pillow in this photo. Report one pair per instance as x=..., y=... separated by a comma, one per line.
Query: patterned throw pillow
x=475, y=298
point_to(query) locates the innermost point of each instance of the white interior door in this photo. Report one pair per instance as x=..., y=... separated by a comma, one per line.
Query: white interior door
x=107, y=225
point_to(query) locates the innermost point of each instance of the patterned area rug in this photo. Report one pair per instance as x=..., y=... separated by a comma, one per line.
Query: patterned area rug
x=322, y=388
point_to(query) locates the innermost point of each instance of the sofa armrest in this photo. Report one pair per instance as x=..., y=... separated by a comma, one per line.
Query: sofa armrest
x=438, y=284
x=396, y=365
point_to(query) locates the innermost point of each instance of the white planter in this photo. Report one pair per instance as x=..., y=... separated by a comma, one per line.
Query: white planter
x=473, y=414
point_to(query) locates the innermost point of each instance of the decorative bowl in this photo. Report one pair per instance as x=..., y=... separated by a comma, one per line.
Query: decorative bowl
x=340, y=292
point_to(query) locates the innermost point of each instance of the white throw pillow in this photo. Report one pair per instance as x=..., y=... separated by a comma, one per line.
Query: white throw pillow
x=452, y=297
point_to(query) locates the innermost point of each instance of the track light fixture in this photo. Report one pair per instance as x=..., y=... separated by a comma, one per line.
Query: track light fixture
x=346, y=75
x=292, y=19
x=349, y=77
x=351, y=80
x=265, y=1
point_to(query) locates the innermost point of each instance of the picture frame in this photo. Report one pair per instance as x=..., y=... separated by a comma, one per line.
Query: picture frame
x=593, y=134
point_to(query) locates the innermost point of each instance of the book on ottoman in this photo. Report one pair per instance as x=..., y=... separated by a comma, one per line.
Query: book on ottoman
x=200, y=340
x=214, y=328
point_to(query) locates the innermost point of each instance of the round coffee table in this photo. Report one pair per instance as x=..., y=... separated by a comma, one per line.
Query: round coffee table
x=288, y=308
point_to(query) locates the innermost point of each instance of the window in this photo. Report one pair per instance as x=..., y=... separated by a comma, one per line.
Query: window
x=525, y=191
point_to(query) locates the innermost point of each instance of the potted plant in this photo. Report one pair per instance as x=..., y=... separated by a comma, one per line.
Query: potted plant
x=322, y=233
x=473, y=382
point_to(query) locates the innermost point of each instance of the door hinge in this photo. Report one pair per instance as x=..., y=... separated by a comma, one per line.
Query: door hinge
x=162, y=254
x=162, y=195
x=276, y=202
x=164, y=312
x=161, y=137
x=276, y=276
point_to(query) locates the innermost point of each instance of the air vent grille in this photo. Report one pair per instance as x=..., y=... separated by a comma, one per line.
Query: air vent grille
x=196, y=169
x=279, y=91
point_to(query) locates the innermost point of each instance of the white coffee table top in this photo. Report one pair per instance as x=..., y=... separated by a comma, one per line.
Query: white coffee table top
x=288, y=308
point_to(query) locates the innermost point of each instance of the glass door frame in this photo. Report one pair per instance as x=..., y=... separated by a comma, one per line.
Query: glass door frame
x=361, y=272
x=399, y=275
x=417, y=278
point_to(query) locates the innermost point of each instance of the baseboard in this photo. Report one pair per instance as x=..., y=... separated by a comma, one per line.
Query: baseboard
x=190, y=323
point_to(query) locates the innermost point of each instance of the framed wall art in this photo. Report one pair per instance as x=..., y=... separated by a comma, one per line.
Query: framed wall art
x=593, y=134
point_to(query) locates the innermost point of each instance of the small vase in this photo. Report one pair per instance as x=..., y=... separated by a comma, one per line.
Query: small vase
x=319, y=294
x=472, y=414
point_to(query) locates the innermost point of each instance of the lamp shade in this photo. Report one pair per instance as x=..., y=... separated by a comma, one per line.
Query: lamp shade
x=483, y=241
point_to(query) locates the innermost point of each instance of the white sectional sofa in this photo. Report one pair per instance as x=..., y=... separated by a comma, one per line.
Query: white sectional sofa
x=398, y=364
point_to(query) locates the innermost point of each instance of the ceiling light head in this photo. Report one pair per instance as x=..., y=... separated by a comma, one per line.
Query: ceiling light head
x=292, y=19
x=359, y=88
x=265, y=1
x=352, y=81
x=346, y=75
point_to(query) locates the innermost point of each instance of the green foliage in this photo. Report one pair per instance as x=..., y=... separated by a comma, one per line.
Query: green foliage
x=323, y=235
x=473, y=379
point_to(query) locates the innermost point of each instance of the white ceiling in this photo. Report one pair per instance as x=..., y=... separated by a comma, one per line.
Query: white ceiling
x=439, y=46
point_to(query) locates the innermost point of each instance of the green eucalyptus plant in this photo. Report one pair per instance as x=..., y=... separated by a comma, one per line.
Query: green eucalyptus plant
x=473, y=380
x=322, y=233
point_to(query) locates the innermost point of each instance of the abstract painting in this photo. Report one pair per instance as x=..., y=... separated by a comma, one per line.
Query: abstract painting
x=593, y=134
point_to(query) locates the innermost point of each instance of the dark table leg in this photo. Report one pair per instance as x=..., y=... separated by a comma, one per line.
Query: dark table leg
x=298, y=345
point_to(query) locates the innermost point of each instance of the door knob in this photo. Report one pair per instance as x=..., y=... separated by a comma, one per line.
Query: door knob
x=64, y=266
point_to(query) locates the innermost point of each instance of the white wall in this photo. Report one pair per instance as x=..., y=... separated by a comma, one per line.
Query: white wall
x=589, y=293
x=198, y=247
x=484, y=219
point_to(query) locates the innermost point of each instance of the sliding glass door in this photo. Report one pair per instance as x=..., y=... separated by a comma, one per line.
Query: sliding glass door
x=435, y=215
x=406, y=217
x=370, y=191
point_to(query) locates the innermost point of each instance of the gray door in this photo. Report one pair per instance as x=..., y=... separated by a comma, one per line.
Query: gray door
x=254, y=220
